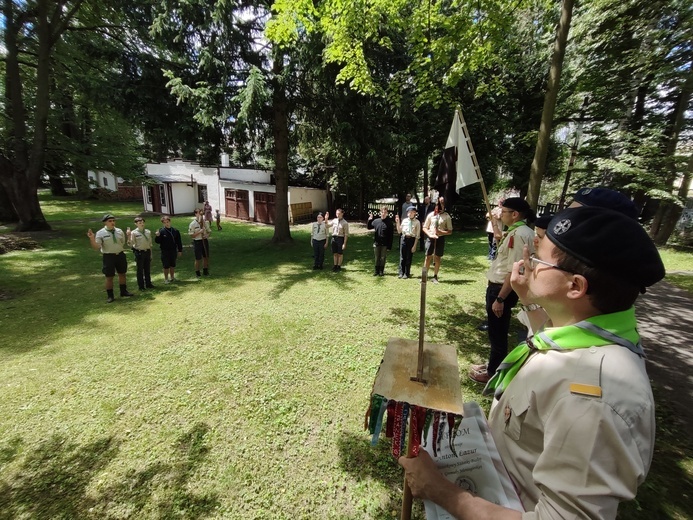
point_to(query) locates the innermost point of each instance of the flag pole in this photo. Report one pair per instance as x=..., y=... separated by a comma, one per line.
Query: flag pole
x=470, y=147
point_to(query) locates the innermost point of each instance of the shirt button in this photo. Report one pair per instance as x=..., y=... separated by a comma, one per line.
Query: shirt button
x=593, y=350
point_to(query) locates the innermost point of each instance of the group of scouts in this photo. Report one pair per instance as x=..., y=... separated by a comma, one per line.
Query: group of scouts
x=430, y=219
x=112, y=241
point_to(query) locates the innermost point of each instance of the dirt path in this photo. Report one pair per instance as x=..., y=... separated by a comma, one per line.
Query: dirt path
x=665, y=318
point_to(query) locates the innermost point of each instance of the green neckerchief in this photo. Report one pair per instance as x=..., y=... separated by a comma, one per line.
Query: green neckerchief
x=113, y=232
x=617, y=328
x=511, y=228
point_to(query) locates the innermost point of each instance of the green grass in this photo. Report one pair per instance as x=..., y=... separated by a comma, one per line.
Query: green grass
x=241, y=396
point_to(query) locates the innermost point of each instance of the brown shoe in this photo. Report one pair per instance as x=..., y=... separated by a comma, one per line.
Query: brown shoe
x=479, y=377
x=478, y=368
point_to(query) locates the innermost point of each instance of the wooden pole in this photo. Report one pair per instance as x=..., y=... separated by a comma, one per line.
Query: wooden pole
x=422, y=325
x=407, y=497
x=470, y=147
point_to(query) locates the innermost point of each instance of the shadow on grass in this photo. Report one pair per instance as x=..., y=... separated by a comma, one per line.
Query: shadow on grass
x=55, y=480
x=365, y=463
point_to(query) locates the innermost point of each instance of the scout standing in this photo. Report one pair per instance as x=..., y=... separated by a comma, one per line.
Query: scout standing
x=140, y=240
x=171, y=245
x=199, y=229
x=110, y=240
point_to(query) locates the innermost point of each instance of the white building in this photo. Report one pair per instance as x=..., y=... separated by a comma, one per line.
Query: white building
x=101, y=179
x=181, y=186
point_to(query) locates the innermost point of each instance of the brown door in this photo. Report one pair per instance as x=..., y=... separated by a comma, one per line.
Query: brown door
x=155, y=196
x=264, y=207
x=237, y=204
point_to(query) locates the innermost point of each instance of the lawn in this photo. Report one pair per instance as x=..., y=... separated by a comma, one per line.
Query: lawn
x=241, y=396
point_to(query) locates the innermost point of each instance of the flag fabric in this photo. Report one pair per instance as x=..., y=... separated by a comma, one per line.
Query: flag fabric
x=458, y=166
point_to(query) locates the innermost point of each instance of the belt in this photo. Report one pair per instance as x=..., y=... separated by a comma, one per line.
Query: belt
x=493, y=284
x=140, y=249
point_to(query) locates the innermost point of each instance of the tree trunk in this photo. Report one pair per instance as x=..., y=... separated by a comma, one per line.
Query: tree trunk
x=672, y=213
x=536, y=173
x=282, y=234
x=668, y=213
x=56, y=183
x=7, y=212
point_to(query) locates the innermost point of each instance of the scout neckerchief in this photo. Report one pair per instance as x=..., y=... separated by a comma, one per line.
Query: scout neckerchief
x=113, y=232
x=510, y=229
x=143, y=234
x=607, y=329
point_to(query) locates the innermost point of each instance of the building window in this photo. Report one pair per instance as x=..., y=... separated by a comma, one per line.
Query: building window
x=105, y=182
x=201, y=193
x=150, y=195
x=162, y=194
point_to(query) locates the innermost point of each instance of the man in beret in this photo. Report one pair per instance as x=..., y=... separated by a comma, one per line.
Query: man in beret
x=500, y=297
x=605, y=198
x=573, y=413
x=110, y=241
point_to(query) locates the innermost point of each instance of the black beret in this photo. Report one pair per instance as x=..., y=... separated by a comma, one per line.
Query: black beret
x=522, y=206
x=606, y=198
x=543, y=220
x=106, y=217
x=516, y=204
x=608, y=241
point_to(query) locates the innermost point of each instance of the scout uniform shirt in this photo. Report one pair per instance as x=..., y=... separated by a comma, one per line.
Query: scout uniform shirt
x=111, y=242
x=195, y=226
x=141, y=240
x=319, y=231
x=411, y=227
x=510, y=250
x=340, y=228
x=440, y=221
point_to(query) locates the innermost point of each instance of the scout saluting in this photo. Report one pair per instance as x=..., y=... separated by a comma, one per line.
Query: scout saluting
x=110, y=241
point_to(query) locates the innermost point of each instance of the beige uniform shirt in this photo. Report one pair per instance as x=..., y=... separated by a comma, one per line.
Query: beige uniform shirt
x=195, y=226
x=441, y=221
x=105, y=239
x=509, y=252
x=573, y=455
x=411, y=227
x=340, y=228
x=141, y=240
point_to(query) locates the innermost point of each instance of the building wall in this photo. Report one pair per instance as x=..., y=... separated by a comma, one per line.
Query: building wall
x=185, y=201
x=101, y=179
x=317, y=198
x=245, y=175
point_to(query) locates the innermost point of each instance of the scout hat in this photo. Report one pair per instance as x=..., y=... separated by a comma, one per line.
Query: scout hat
x=521, y=206
x=606, y=198
x=608, y=241
x=411, y=208
x=543, y=220
x=106, y=217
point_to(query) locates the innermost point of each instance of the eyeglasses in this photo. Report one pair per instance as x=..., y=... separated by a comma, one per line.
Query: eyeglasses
x=533, y=261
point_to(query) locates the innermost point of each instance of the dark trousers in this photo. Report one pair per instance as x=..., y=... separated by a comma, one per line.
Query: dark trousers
x=143, y=259
x=318, y=252
x=380, y=253
x=405, y=255
x=498, y=327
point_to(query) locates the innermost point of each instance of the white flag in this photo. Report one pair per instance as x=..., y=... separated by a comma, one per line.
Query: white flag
x=466, y=167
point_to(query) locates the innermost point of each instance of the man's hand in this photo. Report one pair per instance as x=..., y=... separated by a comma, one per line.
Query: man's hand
x=520, y=275
x=421, y=473
x=327, y=216
x=90, y=233
x=343, y=247
x=413, y=249
x=180, y=253
x=397, y=218
x=497, y=308
x=157, y=233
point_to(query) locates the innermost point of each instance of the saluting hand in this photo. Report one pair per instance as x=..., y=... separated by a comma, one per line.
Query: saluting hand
x=157, y=233
x=90, y=234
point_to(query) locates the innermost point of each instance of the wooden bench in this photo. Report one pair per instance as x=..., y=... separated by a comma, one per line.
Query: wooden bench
x=301, y=212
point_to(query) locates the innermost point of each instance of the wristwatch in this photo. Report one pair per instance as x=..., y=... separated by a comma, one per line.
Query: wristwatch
x=500, y=299
x=531, y=307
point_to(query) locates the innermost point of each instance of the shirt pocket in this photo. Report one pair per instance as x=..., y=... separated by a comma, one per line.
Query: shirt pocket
x=515, y=414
